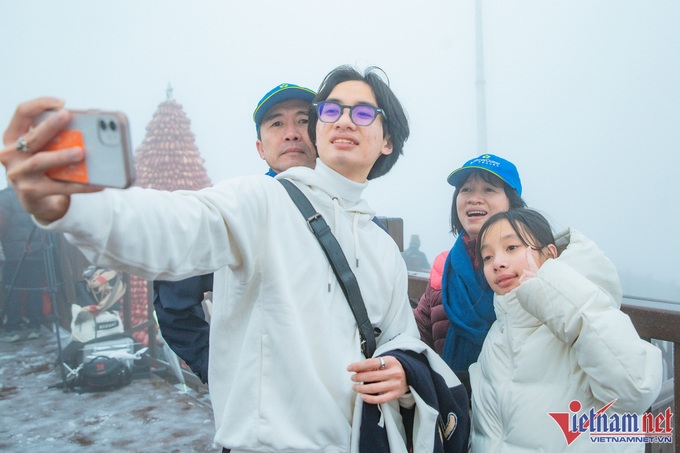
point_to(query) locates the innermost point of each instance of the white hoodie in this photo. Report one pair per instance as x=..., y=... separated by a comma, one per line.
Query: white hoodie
x=560, y=337
x=282, y=332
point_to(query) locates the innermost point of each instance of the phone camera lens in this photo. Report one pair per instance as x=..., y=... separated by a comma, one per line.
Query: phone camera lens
x=112, y=125
x=102, y=125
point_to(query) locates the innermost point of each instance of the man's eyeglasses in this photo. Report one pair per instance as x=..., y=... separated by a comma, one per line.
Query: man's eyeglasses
x=361, y=114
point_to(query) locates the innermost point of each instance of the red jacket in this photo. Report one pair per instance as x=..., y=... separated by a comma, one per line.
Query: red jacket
x=430, y=314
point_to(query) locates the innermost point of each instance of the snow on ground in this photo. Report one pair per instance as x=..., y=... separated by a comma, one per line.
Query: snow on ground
x=149, y=415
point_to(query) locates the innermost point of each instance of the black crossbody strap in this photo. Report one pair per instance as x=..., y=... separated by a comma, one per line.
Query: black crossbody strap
x=346, y=278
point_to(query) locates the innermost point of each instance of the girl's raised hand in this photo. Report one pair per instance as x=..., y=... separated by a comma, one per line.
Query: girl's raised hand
x=532, y=267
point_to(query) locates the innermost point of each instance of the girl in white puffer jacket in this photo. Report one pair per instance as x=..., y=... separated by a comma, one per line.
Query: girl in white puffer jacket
x=560, y=337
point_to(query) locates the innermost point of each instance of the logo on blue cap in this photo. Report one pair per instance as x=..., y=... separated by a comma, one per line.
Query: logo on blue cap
x=278, y=94
x=498, y=166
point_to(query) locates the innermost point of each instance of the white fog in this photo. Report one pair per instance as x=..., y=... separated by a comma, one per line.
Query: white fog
x=582, y=96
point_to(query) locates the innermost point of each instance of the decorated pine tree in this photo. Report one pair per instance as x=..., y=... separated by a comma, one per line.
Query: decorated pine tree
x=167, y=159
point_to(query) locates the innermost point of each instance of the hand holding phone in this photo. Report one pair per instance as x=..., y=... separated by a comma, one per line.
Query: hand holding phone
x=105, y=137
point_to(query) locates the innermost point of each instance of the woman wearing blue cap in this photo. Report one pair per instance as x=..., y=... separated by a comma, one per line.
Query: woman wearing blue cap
x=456, y=310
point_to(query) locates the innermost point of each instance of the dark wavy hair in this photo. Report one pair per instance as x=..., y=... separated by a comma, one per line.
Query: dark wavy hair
x=395, y=123
x=531, y=227
x=516, y=201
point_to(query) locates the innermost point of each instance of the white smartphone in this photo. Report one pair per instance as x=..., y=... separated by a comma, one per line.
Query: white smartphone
x=105, y=136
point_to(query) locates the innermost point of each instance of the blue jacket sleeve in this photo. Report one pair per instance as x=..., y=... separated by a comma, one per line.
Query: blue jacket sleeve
x=182, y=321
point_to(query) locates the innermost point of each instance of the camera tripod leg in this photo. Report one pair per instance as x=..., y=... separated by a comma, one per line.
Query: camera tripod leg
x=52, y=285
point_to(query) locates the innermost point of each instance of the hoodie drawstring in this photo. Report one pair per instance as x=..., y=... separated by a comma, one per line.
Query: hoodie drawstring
x=337, y=211
x=355, y=223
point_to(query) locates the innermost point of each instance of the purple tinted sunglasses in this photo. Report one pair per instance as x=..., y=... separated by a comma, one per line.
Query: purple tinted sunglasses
x=361, y=114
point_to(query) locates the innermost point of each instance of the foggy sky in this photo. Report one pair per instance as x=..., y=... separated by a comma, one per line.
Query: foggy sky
x=582, y=95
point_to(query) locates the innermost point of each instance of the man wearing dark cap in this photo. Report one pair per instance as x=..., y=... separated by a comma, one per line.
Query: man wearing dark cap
x=281, y=119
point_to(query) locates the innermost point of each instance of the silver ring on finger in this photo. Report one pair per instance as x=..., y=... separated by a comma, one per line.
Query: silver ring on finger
x=382, y=363
x=22, y=145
